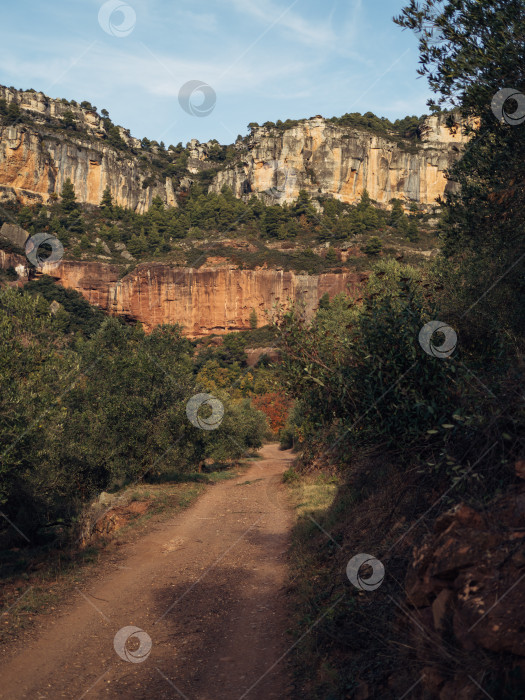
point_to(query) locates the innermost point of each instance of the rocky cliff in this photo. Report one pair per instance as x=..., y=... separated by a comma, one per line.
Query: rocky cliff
x=204, y=300
x=37, y=155
x=34, y=165
x=324, y=158
x=56, y=139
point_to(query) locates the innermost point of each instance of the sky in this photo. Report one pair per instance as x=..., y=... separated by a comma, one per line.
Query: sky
x=258, y=60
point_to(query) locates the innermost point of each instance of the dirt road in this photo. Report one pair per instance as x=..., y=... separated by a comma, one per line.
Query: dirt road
x=205, y=587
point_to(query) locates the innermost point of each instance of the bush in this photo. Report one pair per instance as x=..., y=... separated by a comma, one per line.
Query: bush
x=86, y=413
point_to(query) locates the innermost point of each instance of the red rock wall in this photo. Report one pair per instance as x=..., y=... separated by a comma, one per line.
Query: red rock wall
x=203, y=301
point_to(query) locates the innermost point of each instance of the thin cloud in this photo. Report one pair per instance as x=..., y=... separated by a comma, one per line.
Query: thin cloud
x=312, y=33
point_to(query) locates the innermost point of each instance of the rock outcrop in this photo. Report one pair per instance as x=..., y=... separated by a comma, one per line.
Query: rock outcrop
x=39, y=152
x=37, y=157
x=203, y=301
x=323, y=158
x=13, y=234
x=35, y=164
x=466, y=587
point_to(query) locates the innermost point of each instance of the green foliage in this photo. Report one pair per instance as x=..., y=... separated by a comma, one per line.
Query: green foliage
x=361, y=379
x=81, y=316
x=88, y=412
x=199, y=216
x=397, y=212
x=10, y=114
x=107, y=200
x=407, y=127
x=69, y=119
x=418, y=434
x=469, y=52
x=331, y=256
x=413, y=230
x=373, y=246
x=68, y=200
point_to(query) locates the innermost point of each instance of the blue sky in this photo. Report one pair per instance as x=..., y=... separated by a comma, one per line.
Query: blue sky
x=264, y=59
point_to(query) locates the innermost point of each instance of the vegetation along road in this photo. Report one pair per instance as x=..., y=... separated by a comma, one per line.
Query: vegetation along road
x=206, y=587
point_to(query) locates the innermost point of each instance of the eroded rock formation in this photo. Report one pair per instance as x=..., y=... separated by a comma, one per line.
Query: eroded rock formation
x=323, y=158
x=36, y=159
x=203, y=301
x=39, y=153
x=34, y=165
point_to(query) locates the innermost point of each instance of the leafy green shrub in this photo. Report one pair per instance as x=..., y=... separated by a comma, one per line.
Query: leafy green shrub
x=80, y=417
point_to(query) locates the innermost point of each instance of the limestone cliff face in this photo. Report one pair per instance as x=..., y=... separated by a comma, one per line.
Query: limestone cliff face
x=203, y=301
x=35, y=160
x=323, y=158
x=34, y=165
x=39, y=153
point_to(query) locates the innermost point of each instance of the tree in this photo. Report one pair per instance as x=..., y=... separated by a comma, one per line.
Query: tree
x=324, y=301
x=107, y=200
x=469, y=52
x=75, y=222
x=413, y=230
x=68, y=198
x=138, y=244
x=253, y=319
x=303, y=206
x=331, y=256
x=396, y=213
x=373, y=247
x=272, y=220
x=114, y=137
x=402, y=225
x=365, y=202
x=13, y=114
x=69, y=120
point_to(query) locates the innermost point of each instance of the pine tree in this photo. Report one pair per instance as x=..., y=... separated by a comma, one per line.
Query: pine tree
x=253, y=319
x=69, y=200
x=413, y=230
x=107, y=200
x=331, y=256
x=154, y=239
x=396, y=213
x=324, y=301
x=75, y=222
x=402, y=225
x=365, y=201
x=303, y=205
x=272, y=221
x=373, y=247
x=137, y=244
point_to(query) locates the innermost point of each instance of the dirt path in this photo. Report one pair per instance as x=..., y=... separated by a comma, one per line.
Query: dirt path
x=206, y=586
